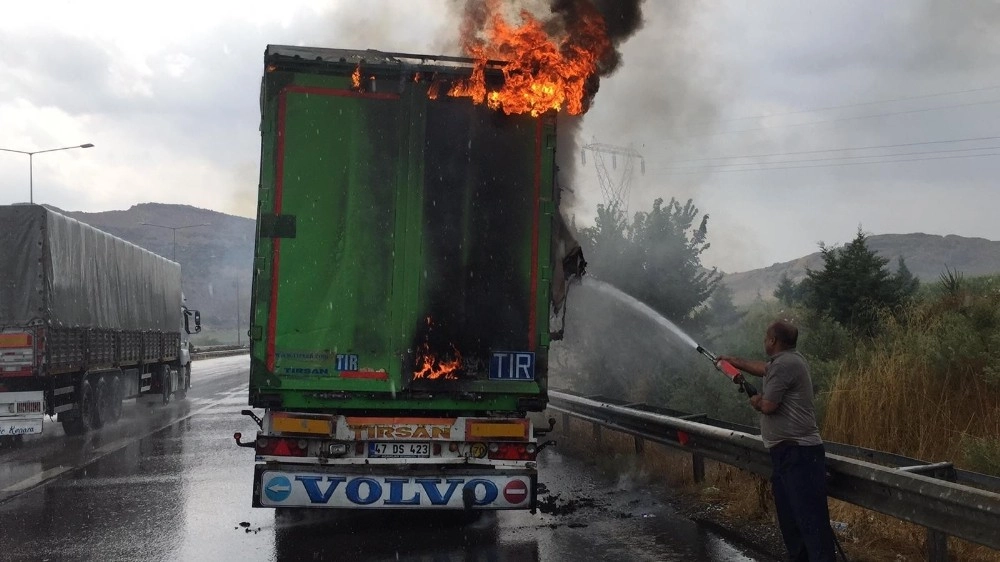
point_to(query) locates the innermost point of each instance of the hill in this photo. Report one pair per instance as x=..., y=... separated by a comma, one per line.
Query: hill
x=213, y=258
x=927, y=256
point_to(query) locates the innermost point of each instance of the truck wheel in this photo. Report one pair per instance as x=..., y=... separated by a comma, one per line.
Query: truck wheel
x=78, y=421
x=184, y=383
x=100, y=409
x=165, y=383
x=115, y=398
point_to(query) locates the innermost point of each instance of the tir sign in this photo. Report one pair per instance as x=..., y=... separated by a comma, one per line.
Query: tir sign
x=512, y=366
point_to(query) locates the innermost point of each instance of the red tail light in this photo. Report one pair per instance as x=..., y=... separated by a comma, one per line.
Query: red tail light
x=29, y=407
x=282, y=447
x=513, y=451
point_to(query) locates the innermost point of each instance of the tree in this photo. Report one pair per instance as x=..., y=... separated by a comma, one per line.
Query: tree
x=906, y=283
x=854, y=286
x=656, y=258
x=791, y=293
x=720, y=311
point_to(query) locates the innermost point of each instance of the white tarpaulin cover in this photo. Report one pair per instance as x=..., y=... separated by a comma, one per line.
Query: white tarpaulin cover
x=61, y=272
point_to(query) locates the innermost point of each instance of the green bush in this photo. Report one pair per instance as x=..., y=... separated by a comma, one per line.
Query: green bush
x=982, y=454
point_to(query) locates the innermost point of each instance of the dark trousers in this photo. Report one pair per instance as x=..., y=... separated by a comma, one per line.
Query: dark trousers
x=799, y=484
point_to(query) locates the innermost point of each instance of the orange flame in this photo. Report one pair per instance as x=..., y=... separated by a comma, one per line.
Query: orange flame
x=431, y=366
x=434, y=367
x=356, y=78
x=434, y=90
x=543, y=72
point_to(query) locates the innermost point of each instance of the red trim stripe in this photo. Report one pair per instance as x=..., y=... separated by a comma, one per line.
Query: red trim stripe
x=533, y=314
x=372, y=375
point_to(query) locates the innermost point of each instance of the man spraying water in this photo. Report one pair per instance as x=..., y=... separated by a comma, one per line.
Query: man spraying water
x=791, y=435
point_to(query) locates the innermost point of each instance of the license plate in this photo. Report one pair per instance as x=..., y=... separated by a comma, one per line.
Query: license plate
x=399, y=450
x=9, y=426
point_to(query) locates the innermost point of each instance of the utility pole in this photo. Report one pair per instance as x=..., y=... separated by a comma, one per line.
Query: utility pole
x=614, y=186
x=173, y=252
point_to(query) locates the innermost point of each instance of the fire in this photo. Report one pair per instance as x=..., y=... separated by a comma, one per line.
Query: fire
x=432, y=366
x=435, y=367
x=544, y=72
x=356, y=78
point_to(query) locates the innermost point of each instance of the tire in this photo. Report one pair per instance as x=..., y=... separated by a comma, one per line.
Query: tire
x=165, y=383
x=78, y=421
x=101, y=395
x=115, y=398
x=184, y=383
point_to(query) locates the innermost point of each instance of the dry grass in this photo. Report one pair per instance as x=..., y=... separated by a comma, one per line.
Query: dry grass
x=890, y=402
x=868, y=537
x=892, y=399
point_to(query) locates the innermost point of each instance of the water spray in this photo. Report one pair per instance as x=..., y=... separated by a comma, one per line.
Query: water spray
x=727, y=368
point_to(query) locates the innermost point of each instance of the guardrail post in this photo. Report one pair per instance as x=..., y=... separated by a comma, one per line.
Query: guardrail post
x=565, y=422
x=937, y=546
x=596, y=432
x=640, y=445
x=937, y=542
x=698, y=468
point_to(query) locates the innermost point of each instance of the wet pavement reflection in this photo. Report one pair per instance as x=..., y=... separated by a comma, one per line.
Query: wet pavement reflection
x=170, y=484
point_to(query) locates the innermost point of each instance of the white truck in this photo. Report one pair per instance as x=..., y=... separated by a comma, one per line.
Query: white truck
x=87, y=320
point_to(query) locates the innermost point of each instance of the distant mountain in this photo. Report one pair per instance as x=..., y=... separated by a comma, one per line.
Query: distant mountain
x=927, y=256
x=213, y=258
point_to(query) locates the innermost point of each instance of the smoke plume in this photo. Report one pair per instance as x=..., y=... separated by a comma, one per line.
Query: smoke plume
x=567, y=20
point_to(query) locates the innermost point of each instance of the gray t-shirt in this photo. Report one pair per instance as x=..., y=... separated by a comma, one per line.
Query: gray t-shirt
x=787, y=383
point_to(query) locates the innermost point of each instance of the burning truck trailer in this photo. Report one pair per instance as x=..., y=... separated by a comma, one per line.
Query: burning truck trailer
x=406, y=248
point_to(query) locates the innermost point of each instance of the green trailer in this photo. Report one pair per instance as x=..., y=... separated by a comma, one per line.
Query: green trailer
x=402, y=285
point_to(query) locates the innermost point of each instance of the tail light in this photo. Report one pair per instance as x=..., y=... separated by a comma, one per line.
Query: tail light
x=34, y=407
x=282, y=447
x=17, y=354
x=513, y=451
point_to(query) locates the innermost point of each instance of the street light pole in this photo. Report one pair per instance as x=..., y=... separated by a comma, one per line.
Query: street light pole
x=173, y=253
x=31, y=164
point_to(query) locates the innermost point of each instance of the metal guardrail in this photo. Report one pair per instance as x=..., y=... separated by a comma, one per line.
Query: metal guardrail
x=911, y=490
x=210, y=351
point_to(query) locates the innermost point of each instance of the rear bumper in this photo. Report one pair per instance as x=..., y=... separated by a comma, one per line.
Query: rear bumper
x=393, y=487
x=21, y=413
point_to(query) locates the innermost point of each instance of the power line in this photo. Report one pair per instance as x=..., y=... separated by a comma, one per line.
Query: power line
x=873, y=147
x=832, y=159
x=841, y=119
x=864, y=103
x=714, y=171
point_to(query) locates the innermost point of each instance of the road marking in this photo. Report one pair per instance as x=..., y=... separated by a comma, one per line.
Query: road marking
x=33, y=481
x=46, y=476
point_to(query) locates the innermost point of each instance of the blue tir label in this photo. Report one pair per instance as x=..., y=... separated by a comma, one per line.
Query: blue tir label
x=512, y=366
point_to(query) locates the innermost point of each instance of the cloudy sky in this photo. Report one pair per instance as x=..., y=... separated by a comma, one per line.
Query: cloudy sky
x=799, y=89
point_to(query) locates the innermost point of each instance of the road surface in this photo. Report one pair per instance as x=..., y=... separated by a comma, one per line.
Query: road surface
x=168, y=483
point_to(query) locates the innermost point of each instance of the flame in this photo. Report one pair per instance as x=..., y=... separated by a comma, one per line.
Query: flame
x=356, y=78
x=543, y=72
x=435, y=367
x=431, y=366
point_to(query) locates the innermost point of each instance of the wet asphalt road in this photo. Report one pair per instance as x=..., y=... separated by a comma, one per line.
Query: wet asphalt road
x=167, y=483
